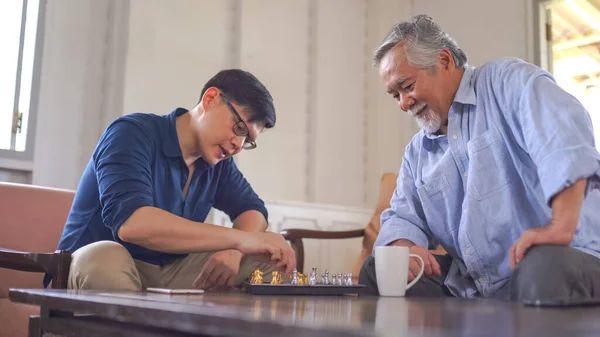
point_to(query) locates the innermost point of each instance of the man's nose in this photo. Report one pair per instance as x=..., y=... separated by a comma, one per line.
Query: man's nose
x=406, y=102
x=237, y=143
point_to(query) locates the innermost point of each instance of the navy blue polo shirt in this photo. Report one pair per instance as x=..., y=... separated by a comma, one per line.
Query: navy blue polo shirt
x=138, y=162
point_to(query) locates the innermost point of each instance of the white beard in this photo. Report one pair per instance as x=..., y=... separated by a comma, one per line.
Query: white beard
x=429, y=121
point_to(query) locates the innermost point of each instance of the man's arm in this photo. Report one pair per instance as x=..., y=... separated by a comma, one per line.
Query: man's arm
x=251, y=221
x=556, y=131
x=550, y=125
x=403, y=224
x=566, y=207
x=146, y=228
x=404, y=219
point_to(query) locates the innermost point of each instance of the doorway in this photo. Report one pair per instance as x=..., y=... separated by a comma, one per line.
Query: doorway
x=567, y=44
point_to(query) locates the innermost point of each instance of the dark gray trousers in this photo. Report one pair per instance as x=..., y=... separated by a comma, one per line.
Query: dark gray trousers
x=546, y=272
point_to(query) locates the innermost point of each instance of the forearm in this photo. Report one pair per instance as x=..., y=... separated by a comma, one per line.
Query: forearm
x=566, y=207
x=160, y=230
x=250, y=221
x=402, y=243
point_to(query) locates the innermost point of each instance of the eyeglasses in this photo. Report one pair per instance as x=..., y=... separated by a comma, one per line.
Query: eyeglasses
x=240, y=128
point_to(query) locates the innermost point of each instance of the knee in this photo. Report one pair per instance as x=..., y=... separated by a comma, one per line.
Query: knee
x=544, y=270
x=103, y=265
x=543, y=260
x=368, y=267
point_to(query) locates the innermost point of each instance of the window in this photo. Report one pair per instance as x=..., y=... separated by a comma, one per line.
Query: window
x=568, y=45
x=20, y=43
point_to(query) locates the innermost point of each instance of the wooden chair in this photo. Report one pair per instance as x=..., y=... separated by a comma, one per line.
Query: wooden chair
x=369, y=234
x=56, y=264
x=295, y=237
x=30, y=226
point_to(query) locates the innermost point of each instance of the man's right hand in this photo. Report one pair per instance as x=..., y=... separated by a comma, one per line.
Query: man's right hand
x=432, y=267
x=268, y=247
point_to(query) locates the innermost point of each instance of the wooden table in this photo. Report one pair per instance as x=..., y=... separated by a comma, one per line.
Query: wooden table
x=101, y=313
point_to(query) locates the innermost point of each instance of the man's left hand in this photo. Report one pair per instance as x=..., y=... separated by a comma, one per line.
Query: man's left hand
x=547, y=235
x=219, y=271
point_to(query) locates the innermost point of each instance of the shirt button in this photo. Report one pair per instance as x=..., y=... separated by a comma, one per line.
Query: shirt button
x=465, y=174
x=454, y=137
x=481, y=280
x=468, y=251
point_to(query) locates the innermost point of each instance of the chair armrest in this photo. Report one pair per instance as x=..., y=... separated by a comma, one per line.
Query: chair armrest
x=12, y=259
x=295, y=236
x=57, y=264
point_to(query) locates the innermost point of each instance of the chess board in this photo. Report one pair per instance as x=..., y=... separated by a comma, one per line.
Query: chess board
x=301, y=284
x=308, y=290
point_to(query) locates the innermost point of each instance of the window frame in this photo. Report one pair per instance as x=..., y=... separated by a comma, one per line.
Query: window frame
x=23, y=160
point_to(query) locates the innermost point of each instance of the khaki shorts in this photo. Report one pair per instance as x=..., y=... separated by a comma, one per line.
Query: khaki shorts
x=107, y=265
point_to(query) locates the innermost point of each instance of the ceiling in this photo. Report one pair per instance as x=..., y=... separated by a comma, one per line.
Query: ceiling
x=576, y=39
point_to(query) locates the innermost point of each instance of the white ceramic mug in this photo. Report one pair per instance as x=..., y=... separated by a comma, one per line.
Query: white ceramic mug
x=391, y=269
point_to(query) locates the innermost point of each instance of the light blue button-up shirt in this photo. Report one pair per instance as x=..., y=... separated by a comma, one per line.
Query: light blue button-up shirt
x=515, y=139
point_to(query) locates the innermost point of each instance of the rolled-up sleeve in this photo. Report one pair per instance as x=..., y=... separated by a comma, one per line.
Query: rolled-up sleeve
x=404, y=219
x=554, y=128
x=122, y=163
x=235, y=195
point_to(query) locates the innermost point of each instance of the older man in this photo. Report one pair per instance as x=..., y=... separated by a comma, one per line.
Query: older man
x=504, y=174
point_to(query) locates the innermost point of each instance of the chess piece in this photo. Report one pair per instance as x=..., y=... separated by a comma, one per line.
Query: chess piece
x=349, y=279
x=276, y=279
x=339, y=279
x=312, y=279
x=294, y=277
x=334, y=280
x=256, y=277
x=322, y=278
x=326, y=277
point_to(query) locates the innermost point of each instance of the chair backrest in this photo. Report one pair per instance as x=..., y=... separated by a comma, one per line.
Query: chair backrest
x=31, y=220
x=387, y=185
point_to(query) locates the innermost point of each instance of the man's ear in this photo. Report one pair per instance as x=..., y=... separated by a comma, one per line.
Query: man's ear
x=210, y=97
x=445, y=59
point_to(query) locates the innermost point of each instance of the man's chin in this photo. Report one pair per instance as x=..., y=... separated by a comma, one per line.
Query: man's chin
x=429, y=127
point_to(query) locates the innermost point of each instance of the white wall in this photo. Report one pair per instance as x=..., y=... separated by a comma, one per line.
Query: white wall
x=337, y=130
x=80, y=86
x=173, y=49
x=484, y=29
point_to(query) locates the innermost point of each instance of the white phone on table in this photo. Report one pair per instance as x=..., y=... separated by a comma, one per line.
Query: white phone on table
x=175, y=291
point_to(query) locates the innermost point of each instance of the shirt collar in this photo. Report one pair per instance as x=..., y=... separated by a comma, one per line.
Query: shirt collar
x=466, y=89
x=464, y=95
x=170, y=140
x=430, y=140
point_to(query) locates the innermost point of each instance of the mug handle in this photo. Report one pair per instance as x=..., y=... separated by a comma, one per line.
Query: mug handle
x=412, y=283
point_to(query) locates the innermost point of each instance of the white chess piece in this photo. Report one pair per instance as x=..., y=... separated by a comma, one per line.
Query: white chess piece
x=312, y=279
x=349, y=279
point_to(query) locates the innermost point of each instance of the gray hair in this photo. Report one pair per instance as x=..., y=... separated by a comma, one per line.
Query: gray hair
x=424, y=40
